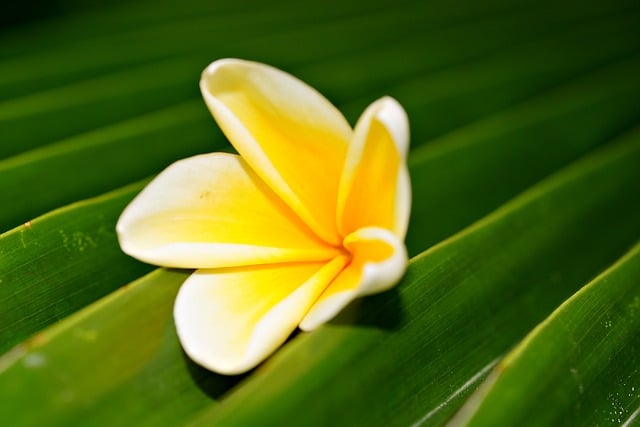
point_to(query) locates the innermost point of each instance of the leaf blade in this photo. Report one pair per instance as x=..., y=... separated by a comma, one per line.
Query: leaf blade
x=475, y=268
x=554, y=376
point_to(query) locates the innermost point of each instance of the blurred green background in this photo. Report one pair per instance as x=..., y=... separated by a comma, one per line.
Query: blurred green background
x=523, y=117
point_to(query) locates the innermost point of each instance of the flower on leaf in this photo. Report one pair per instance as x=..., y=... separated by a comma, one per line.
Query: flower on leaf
x=310, y=215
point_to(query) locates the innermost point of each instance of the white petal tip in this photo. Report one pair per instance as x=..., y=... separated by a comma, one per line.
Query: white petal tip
x=199, y=348
x=229, y=321
x=219, y=64
x=215, y=366
x=390, y=113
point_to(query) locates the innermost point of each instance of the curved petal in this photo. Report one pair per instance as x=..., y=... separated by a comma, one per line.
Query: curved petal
x=375, y=190
x=378, y=261
x=292, y=137
x=212, y=211
x=229, y=320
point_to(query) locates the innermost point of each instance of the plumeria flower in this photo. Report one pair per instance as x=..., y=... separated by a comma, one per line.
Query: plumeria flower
x=310, y=215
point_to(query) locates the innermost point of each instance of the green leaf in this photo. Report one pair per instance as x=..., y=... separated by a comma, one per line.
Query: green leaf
x=70, y=110
x=578, y=367
x=500, y=95
x=467, y=161
x=102, y=160
x=461, y=306
x=131, y=150
x=66, y=370
x=454, y=96
x=324, y=30
x=55, y=264
x=139, y=147
x=454, y=172
x=319, y=357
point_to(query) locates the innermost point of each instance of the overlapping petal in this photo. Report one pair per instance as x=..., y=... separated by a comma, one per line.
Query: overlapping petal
x=292, y=137
x=312, y=216
x=378, y=261
x=374, y=189
x=213, y=211
x=229, y=320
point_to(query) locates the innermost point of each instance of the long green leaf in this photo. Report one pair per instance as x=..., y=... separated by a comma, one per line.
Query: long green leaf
x=465, y=176
x=454, y=96
x=483, y=149
x=495, y=70
x=70, y=366
x=323, y=30
x=72, y=109
x=338, y=343
x=103, y=160
x=78, y=107
x=449, y=65
x=138, y=148
x=578, y=367
x=91, y=97
x=48, y=266
x=412, y=356
x=83, y=106
x=115, y=18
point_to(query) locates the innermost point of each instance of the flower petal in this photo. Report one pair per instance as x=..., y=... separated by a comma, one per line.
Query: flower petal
x=375, y=190
x=212, y=211
x=292, y=137
x=229, y=320
x=379, y=259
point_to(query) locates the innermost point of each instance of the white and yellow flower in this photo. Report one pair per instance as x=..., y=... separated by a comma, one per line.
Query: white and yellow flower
x=309, y=216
